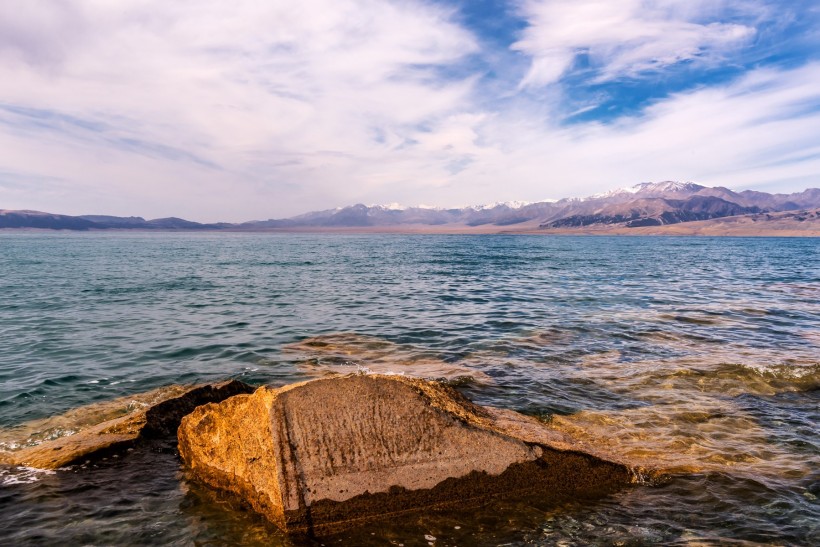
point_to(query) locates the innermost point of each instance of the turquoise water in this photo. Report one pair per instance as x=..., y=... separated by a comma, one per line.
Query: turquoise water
x=701, y=355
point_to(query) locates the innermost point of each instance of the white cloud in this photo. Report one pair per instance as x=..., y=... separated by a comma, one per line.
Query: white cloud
x=624, y=38
x=217, y=110
x=762, y=130
x=270, y=92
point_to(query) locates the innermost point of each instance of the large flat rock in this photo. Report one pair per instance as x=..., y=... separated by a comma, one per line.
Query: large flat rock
x=96, y=440
x=322, y=455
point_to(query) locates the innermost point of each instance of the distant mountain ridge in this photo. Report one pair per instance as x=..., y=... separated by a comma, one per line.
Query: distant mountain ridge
x=645, y=204
x=642, y=205
x=51, y=221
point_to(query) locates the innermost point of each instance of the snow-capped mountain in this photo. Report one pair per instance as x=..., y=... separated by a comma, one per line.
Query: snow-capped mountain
x=666, y=189
x=645, y=204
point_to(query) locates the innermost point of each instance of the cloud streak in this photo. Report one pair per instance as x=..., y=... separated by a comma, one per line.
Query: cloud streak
x=625, y=38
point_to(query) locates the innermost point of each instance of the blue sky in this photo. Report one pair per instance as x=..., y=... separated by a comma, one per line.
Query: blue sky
x=238, y=110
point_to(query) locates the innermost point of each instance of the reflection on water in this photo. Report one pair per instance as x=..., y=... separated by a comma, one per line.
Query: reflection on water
x=698, y=357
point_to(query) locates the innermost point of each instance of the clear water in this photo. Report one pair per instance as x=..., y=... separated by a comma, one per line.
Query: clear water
x=697, y=355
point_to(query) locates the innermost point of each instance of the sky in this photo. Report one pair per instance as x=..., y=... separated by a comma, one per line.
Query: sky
x=217, y=110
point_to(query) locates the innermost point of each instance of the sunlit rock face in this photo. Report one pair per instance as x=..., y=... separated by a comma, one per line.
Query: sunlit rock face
x=97, y=438
x=326, y=454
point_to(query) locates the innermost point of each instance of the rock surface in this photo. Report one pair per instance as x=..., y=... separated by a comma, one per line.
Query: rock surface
x=325, y=454
x=114, y=435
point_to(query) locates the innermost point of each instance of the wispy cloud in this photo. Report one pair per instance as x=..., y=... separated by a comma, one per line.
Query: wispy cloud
x=231, y=110
x=246, y=84
x=628, y=37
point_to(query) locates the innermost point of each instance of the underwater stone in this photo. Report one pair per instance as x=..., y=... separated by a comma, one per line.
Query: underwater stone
x=109, y=437
x=323, y=455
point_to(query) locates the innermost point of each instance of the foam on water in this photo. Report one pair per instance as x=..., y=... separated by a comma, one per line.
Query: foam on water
x=10, y=476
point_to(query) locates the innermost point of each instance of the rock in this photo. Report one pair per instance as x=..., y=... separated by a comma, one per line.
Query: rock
x=114, y=435
x=322, y=455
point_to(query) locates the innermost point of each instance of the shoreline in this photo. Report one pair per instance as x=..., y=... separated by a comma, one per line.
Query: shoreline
x=671, y=230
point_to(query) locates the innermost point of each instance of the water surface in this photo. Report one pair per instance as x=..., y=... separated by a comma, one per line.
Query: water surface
x=698, y=355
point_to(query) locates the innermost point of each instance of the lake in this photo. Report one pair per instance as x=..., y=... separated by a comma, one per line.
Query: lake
x=698, y=354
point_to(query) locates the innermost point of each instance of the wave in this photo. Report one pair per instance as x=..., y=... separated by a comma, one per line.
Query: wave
x=346, y=352
x=10, y=476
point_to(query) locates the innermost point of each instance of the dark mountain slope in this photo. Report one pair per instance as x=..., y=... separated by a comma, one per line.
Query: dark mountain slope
x=656, y=212
x=48, y=221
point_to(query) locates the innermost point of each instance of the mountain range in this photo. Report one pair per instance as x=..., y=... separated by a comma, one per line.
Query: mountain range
x=644, y=205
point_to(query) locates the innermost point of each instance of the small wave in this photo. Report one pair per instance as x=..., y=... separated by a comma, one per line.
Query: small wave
x=537, y=339
x=726, y=371
x=759, y=378
x=694, y=319
x=813, y=337
x=786, y=372
x=796, y=289
x=37, y=438
x=22, y=475
x=345, y=353
x=696, y=435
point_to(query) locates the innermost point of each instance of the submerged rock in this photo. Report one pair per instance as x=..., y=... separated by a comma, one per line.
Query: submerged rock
x=325, y=454
x=114, y=435
x=349, y=352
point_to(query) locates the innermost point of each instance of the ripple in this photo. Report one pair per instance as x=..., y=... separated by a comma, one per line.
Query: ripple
x=697, y=355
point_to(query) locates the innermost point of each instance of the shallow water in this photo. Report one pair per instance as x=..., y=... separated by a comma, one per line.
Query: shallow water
x=700, y=356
